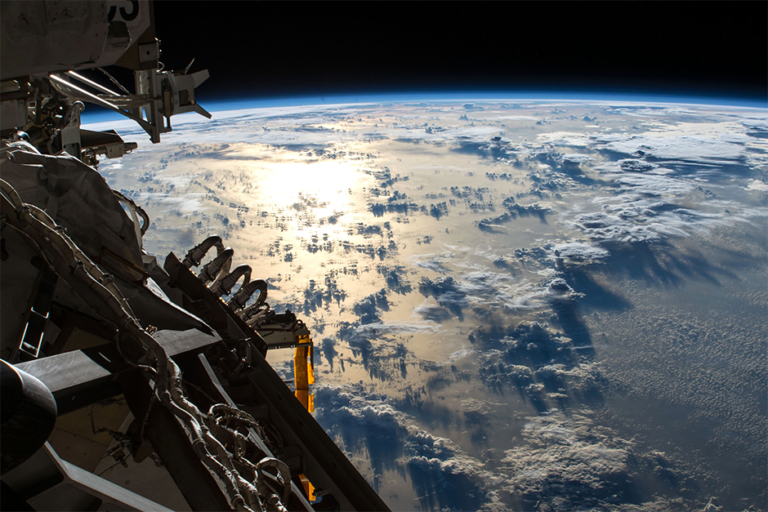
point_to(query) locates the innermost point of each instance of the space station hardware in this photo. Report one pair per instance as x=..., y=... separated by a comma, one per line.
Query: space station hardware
x=106, y=354
x=42, y=94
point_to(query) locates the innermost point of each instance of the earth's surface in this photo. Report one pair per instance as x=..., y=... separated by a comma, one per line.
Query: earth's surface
x=533, y=305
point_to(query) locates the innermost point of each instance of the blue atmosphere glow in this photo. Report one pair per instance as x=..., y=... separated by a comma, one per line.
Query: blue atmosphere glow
x=95, y=114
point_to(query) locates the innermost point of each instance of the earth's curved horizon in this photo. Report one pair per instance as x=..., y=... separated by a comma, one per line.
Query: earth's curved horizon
x=219, y=104
x=516, y=304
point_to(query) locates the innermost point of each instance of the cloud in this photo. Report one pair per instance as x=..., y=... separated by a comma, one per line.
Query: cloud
x=460, y=354
x=579, y=251
x=328, y=349
x=657, y=187
x=447, y=292
x=659, y=175
x=757, y=129
x=566, y=467
x=455, y=482
x=687, y=150
x=641, y=220
x=378, y=347
x=442, y=475
x=431, y=262
x=522, y=296
x=559, y=287
x=485, y=292
x=368, y=308
x=529, y=343
x=575, y=159
x=513, y=211
x=541, y=364
x=380, y=329
x=760, y=185
x=431, y=310
x=561, y=138
x=561, y=170
x=600, y=226
x=361, y=421
x=482, y=282
x=517, y=118
x=316, y=297
x=565, y=463
x=649, y=207
x=650, y=185
x=571, y=464
x=396, y=278
x=644, y=110
x=633, y=165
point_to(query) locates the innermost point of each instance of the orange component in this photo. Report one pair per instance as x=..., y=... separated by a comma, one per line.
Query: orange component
x=309, y=489
x=303, y=377
x=304, y=373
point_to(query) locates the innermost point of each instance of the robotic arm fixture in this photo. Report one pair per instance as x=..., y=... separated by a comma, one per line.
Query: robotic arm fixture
x=42, y=93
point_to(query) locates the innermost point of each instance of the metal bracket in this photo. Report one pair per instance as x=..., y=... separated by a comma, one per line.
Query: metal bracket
x=41, y=300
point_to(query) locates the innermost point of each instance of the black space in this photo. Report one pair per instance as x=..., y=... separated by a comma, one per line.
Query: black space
x=267, y=50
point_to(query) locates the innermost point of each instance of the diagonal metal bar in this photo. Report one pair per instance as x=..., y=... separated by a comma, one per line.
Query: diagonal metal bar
x=99, y=101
